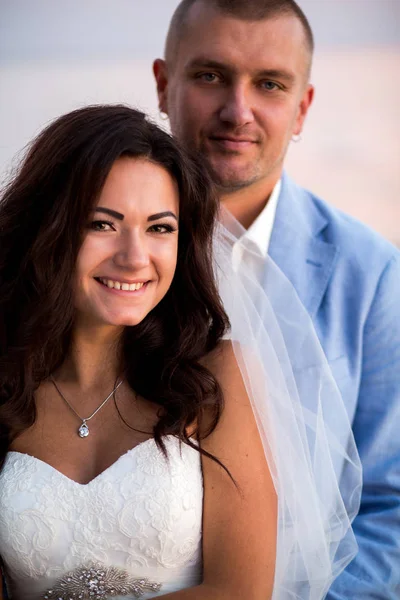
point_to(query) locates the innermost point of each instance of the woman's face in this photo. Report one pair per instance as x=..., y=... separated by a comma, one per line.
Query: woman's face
x=128, y=257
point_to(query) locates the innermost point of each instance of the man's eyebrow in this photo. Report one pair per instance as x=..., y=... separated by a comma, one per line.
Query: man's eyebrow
x=161, y=215
x=202, y=62
x=108, y=211
x=276, y=74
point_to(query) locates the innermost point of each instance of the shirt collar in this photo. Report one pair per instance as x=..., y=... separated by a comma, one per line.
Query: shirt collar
x=260, y=230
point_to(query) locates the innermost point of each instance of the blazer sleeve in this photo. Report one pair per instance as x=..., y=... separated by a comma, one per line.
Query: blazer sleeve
x=374, y=574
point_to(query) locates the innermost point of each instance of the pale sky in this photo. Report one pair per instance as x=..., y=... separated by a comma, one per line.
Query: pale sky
x=101, y=29
x=56, y=55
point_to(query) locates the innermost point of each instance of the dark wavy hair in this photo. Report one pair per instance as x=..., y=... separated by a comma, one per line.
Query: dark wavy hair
x=43, y=214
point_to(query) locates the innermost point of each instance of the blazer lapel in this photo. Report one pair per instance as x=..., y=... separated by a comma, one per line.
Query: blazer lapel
x=306, y=259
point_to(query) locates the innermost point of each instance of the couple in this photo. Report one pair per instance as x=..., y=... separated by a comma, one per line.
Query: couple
x=234, y=84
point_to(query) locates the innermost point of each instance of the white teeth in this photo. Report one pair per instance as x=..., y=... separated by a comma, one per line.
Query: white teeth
x=117, y=285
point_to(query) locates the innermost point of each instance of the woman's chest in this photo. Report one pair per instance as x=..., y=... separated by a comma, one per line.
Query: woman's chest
x=142, y=514
x=55, y=439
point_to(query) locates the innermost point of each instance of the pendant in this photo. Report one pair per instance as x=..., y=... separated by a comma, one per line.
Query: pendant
x=83, y=430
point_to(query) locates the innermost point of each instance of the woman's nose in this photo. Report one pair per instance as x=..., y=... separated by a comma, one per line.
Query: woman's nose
x=132, y=252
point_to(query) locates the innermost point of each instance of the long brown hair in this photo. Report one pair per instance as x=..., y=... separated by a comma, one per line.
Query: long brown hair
x=43, y=214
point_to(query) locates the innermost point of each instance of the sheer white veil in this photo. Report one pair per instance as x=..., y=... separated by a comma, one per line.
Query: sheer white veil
x=302, y=420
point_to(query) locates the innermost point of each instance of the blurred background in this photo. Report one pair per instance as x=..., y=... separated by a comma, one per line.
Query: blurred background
x=58, y=55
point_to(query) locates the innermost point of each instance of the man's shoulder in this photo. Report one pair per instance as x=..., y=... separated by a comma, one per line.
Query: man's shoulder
x=354, y=239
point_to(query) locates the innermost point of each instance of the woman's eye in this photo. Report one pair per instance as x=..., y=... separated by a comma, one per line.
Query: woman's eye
x=101, y=226
x=162, y=228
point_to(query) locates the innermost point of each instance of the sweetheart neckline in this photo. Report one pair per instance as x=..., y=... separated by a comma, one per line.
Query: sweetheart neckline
x=84, y=485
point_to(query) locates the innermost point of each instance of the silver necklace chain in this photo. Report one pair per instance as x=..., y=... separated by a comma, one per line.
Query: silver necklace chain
x=83, y=430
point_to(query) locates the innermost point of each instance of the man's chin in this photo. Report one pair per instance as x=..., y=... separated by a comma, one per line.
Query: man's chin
x=233, y=172
x=232, y=181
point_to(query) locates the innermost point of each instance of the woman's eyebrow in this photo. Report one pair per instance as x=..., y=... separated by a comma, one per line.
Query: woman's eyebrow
x=161, y=215
x=112, y=213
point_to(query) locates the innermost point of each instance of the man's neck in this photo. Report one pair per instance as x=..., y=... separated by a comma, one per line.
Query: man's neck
x=247, y=203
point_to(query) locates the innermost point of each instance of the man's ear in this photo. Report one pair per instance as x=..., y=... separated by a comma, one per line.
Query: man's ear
x=304, y=105
x=161, y=77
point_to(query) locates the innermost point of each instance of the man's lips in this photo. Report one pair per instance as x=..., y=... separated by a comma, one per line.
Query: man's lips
x=232, y=143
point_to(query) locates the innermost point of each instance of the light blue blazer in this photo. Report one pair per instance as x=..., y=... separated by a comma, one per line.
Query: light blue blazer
x=348, y=278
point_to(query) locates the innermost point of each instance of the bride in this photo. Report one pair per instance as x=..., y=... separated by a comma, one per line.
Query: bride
x=148, y=447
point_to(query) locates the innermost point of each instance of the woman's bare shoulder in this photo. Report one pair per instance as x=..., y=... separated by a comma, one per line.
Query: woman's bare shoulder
x=222, y=360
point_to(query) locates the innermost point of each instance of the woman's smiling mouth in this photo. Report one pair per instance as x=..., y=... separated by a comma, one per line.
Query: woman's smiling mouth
x=121, y=285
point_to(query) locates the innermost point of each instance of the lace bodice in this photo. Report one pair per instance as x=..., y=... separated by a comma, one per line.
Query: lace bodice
x=141, y=516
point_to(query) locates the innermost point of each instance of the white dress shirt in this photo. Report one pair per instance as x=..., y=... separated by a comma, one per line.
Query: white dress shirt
x=258, y=235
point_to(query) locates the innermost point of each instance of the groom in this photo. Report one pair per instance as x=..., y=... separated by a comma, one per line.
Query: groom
x=235, y=86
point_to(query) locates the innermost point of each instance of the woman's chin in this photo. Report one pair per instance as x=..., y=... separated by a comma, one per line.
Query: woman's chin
x=108, y=322
x=126, y=320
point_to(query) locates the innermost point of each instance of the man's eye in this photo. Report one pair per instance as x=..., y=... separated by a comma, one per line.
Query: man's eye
x=101, y=226
x=269, y=85
x=162, y=228
x=208, y=77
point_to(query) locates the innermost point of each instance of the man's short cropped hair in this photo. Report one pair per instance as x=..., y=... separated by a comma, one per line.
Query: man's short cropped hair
x=247, y=10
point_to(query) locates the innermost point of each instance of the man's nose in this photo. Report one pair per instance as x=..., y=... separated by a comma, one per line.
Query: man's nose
x=133, y=251
x=237, y=109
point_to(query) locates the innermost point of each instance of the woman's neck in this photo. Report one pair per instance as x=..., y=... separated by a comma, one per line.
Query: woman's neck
x=93, y=361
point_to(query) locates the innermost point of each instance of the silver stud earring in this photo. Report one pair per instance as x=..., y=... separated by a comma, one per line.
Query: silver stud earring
x=296, y=138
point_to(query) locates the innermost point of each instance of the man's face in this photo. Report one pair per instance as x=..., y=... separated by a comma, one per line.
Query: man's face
x=237, y=91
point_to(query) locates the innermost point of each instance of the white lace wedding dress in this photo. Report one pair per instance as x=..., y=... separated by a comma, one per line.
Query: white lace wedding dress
x=132, y=532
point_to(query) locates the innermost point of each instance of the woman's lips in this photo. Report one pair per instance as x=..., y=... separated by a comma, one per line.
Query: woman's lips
x=122, y=288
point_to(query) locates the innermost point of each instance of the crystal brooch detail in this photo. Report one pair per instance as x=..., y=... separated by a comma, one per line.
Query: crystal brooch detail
x=98, y=582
